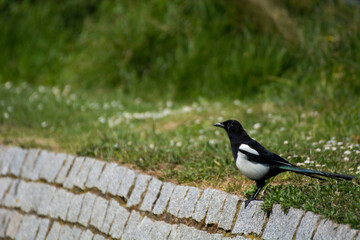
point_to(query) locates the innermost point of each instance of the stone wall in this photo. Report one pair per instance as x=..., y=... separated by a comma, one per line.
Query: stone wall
x=44, y=195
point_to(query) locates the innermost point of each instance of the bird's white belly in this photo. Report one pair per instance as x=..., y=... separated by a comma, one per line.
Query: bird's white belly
x=251, y=170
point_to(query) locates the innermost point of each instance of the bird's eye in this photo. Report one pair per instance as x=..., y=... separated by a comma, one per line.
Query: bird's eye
x=230, y=125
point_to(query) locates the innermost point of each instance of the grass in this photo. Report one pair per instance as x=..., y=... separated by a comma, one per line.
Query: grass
x=141, y=83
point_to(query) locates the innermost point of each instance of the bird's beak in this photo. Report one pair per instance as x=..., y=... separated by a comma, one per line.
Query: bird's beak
x=219, y=124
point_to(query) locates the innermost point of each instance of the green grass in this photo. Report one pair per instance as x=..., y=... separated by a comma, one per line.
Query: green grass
x=141, y=83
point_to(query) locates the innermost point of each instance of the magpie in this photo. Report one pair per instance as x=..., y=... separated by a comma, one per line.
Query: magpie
x=259, y=164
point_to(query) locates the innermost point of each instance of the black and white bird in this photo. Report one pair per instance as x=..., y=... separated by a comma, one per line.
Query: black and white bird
x=259, y=164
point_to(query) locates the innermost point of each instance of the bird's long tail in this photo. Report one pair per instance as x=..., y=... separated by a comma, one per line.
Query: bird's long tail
x=315, y=173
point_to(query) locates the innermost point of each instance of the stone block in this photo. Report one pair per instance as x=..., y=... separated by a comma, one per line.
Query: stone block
x=4, y=186
x=110, y=216
x=250, y=219
x=190, y=201
x=74, y=208
x=17, y=162
x=121, y=218
x=69, y=233
x=28, y=227
x=307, y=226
x=228, y=212
x=86, y=235
x=82, y=176
x=64, y=170
x=52, y=166
x=54, y=231
x=14, y=224
x=116, y=179
x=98, y=212
x=141, y=184
x=215, y=207
x=202, y=205
x=74, y=172
x=151, y=194
x=177, y=199
x=86, y=208
x=164, y=198
x=40, y=162
x=4, y=221
x=160, y=231
x=132, y=226
x=126, y=184
x=7, y=158
x=282, y=225
x=105, y=177
x=60, y=204
x=29, y=163
x=43, y=229
x=11, y=197
x=94, y=174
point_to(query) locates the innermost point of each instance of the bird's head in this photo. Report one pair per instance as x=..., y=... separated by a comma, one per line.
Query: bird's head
x=233, y=129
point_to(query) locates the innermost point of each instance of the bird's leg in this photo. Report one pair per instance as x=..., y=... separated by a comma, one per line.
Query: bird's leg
x=260, y=185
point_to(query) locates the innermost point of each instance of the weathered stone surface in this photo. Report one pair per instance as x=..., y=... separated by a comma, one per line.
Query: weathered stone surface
x=60, y=204
x=4, y=185
x=10, y=198
x=115, y=181
x=191, y=198
x=70, y=180
x=86, y=235
x=43, y=229
x=183, y=232
x=144, y=229
x=161, y=230
x=174, y=232
x=177, y=199
x=282, y=225
x=52, y=166
x=29, y=163
x=132, y=226
x=54, y=231
x=40, y=162
x=109, y=217
x=28, y=227
x=215, y=207
x=141, y=184
x=7, y=159
x=86, y=208
x=118, y=225
x=228, y=212
x=163, y=199
x=202, y=205
x=151, y=194
x=35, y=196
x=98, y=213
x=74, y=208
x=307, y=226
x=64, y=170
x=4, y=221
x=250, y=219
x=345, y=232
x=94, y=174
x=126, y=184
x=326, y=230
x=105, y=177
x=17, y=162
x=69, y=233
x=81, y=178
x=98, y=237
x=14, y=224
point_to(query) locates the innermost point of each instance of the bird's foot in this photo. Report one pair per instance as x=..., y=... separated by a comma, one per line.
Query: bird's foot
x=248, y=201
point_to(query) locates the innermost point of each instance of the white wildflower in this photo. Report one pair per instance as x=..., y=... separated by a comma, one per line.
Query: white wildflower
x=249, y=110
x=101, y=119
x=347, y=152
x=8, y=85
x=151, y=146
x=237, y=102
x=318, y=150
x=44, y=124
x=6, y=115
x=286, y=142
x=212, y=142
x=346, y=159
x=257, y=125
x=179, y=144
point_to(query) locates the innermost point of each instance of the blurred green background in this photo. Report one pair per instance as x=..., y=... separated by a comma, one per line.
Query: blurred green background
x=184, y=50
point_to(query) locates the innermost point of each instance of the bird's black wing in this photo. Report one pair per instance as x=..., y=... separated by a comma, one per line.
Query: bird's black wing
x=265, y=156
